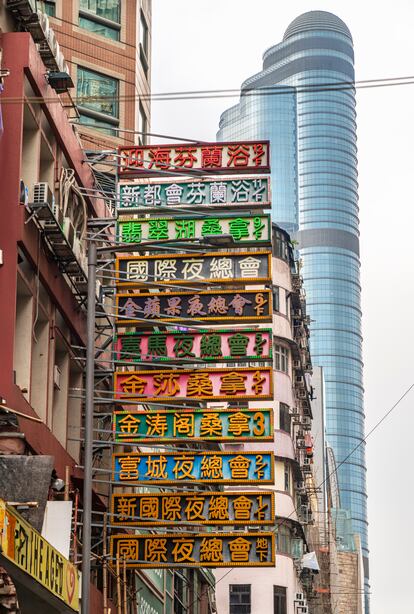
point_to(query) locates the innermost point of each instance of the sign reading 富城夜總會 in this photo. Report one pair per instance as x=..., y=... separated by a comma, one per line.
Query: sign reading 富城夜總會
x=211, y=345
x=230, y=157
x=201, y=384
x=194, y=425
x=184, y=269
x=219, y=194
x=215, y=508
x=184, y=307
x=247, y=230
x=199, y=550
x=203, y=467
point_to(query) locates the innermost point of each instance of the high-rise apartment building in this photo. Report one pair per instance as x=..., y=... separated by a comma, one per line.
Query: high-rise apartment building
x=304, y=102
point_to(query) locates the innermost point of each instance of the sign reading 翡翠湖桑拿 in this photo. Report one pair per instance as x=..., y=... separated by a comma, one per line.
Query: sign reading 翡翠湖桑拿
x=230, y=157
x=203, y=467
x=187, y=307
x=184, y=269
x=220, y=194
x=244, y=230
x=211, y=345
x=215, y=508
x=197, y=550
x=246, y=383
x=193, y=424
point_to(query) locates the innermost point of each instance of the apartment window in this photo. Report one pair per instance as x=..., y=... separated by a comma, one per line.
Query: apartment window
x=104, y=112
x=287, y=477
x=240, y=598
x=281, y=358
x=180, y=583
x=48, y=7
x=279, y=600
x=284, y=418
x=143, y=43
x=101, y=17
x=142, y=124
x=283, y=542
x=276, y=298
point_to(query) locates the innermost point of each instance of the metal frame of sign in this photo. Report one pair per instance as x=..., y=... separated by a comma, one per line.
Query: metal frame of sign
x=205, y=281
x=206, y=495
x=255, y=422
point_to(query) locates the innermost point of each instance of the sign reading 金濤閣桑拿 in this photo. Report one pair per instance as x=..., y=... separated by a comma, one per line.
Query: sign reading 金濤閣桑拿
x=215, y=508
x=186, y=307
x=211, y=345
x=199, y=550
x=219, y=194
x=193, y=424
x=204, y=467
x=184, y=269
x=244, y=230
x=230, y=157
x=201, y=384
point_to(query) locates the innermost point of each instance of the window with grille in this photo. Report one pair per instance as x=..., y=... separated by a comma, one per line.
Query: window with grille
x=240, y=598
x=279, y=599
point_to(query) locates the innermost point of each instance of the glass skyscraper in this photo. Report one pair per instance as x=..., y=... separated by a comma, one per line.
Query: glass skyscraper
x=303, y=101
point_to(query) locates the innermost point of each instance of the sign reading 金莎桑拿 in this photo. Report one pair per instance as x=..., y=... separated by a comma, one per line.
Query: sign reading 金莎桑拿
x=197, y=550
x=215, y=508
x=184, y=269
x=203, y=467
x=230, y=157
x=201, y=384
x=193, y=424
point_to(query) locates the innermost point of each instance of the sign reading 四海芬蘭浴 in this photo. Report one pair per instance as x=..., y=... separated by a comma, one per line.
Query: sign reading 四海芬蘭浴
x=186, y=307
x=184, y=269
x=220, y=194
x=214, y=158
x=212, y=508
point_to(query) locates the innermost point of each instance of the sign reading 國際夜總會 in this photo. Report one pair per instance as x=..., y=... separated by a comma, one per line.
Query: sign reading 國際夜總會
x=204, y=467
x=193, y=424
x=230, y=157
x=249, y=383
x=199, y=550
x=211, y=508
x=222, y=194
x=185, y=307
x=184, y=269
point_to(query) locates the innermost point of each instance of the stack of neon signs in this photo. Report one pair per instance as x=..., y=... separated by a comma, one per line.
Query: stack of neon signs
x=169, y=359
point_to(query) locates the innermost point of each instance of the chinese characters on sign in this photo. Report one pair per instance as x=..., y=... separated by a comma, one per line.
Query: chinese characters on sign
x=208, y=384
x=152, y=160
x=204, y=467
x=193, y=424
x=215, y=267
x=201, y=550
x=211, y=345
x=215, y=194
x=182, y=307
x=248, y=230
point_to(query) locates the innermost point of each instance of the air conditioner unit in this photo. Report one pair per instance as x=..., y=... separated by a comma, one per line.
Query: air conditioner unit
x=24, y=8
x=52, y=42
x=300, y=485
x=306, y=462
x=68, y=231
x=293, y=411
x=296, y=364
x=299, y=597
x=301, y=393
x=303, y=609
x=42, y=195
x=300, y=434
x=56, y=377
x=306, y=421
x=300, y=380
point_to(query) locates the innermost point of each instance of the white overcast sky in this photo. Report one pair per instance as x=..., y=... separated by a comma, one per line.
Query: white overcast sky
x=214, y=44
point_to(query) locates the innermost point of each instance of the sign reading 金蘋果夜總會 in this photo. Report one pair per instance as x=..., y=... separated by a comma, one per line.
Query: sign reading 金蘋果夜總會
x=193, y=424
x=219, y=194
x=231, y=157
x=203, y=467
x=248, y=230
x=211, y=345
x=183, y=307
x=184, y=269
x=201, y=384
x=215, y=508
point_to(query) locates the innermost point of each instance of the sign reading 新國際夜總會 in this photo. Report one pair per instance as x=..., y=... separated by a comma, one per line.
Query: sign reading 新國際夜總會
x=184, y=269
x=230, y=157
x=214, y=508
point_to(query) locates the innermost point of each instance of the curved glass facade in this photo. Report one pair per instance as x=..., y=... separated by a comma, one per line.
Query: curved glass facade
x=311, y=123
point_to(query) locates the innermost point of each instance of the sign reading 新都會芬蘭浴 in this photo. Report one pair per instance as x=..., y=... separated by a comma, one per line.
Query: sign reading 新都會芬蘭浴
x=193, y=424
x=199, y=550
x=203, y=467
x=246, y=383
x=184, y=269
x=184, y=158
x=222, y=194
x=186, y=307
x=211, y=508
x=211, y=345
